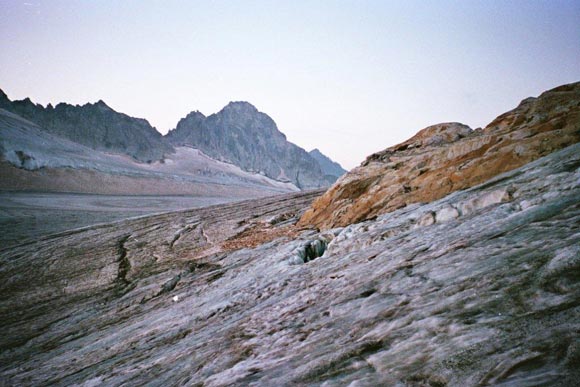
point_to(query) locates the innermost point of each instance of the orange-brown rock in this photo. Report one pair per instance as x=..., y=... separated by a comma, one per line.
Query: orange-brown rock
x=447, y=157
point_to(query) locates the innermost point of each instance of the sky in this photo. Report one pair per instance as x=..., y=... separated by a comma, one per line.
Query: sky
x=347, y=77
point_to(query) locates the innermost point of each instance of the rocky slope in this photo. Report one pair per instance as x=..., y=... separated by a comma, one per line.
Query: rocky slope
x=96, y=126
x=238, y=135
x=478, y=288
x=330, y=168
x=447, y=157
x=242, y=135
x=34, y=159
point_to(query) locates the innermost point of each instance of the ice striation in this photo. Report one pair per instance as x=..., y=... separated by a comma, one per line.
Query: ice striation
x=479, y=287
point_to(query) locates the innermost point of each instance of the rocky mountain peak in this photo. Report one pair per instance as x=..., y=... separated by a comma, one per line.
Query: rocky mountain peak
x=238, y=134
x=4, y=101
x=195, y=114
x=242, y=135
x=240, y=114
x=240, y=107
x=447, y=157
x=101, y=104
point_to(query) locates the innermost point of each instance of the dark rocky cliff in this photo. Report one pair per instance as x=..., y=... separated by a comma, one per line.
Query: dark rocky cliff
x=95, y=125
x=242, y=135
x=238, y=134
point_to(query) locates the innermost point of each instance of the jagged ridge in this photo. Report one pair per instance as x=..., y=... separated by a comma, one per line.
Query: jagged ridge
x=239, y=134
x=95, y=125
x=242, y=135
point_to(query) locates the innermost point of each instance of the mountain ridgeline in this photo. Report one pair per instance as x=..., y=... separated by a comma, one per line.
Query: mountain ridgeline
x=242, y=135
x=96, y=126
x=330, y=168
x=239, y=134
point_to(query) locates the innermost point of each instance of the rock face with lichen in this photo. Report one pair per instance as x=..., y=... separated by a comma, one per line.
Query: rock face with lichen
x=448, y=157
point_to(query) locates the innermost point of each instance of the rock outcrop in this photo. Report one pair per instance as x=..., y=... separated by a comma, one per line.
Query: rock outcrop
x=242, y=135
x=448, y=157
x=478, y=288
x=96, y=126
x=331, y=169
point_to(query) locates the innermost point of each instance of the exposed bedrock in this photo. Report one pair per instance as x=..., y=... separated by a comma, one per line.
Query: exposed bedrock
x=477, y=288
x=448, y=157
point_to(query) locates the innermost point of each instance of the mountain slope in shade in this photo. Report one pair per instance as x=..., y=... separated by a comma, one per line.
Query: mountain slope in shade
x=242, y=135
x=447, y=157
x=239, y=134
x=96, y=126
x=330, y=168
x=36, y=159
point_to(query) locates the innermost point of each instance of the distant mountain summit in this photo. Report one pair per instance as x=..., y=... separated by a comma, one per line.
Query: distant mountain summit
x=239, y=134
x=330, y=168
x=242, y=135
x=95, y=125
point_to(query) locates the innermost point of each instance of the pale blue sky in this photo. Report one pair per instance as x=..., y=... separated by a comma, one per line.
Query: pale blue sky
x=347, y=77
